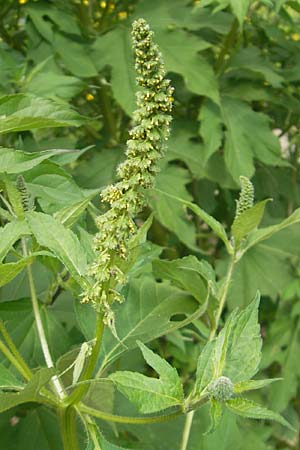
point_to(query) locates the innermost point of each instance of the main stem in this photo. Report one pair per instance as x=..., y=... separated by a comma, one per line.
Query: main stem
x=222, y=299
x=40, y=328
x=67, y=418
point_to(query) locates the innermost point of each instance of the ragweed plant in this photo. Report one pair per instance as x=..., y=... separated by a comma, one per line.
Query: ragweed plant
x=41, y=232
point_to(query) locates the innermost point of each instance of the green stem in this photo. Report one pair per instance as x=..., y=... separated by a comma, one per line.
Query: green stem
x=108, y=117
x=223, y=296
x=227, y=45
x=124, y=419
x=78, y=393
x=187, y=430
x=40, y=328
x=67, y=418
x=222, y=299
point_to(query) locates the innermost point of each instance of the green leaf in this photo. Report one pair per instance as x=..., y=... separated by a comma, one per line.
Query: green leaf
x=61, y=241
x=53, y=85
x=9, y=234
x=265, y=233
x=181, y=55
x=250, y=59
x=7, y=379
x=188, y=273
x=70, y=214
x=210, y=128
x=151, y=394
x=248, y=136
x=76, y=56
x=150, y=306
x=31, y=392
x=20, y=112
x=244, y=344
x=167, y=208
x=16, y=161
x=54, y=191
x=248, y=221
x=240, y=9
x=38, y=428
x=20, y=323
x=252, y=385
x=120, y=58
x=216, y=226
x=10, y=270
x=246, y=408
x=205, y=367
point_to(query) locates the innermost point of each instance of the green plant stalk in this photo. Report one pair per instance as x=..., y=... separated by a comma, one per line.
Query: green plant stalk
x=223, y=296
x=222, y=299
x=40, y=329
x=124, y=419
x=67, y=419
x=14, y=351
x=227, y=45
x=187, y=430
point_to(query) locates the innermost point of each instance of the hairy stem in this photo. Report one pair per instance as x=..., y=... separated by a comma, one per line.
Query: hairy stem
x=40, y=328
x=124, y=419
x=223, y=296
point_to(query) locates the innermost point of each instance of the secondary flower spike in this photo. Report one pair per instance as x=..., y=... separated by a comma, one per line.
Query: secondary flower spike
x=151, y=128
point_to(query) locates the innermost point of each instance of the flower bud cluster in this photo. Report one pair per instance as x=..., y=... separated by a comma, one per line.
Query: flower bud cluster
x=221, y=389
x=151, y=127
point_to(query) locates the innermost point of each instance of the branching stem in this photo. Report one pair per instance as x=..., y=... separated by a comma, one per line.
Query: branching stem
x=124, y=419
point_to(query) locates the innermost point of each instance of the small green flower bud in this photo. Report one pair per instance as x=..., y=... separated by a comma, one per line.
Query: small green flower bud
x=221, y=389
x=246, y=198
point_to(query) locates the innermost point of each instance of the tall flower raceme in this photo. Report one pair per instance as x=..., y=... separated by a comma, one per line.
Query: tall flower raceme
x=144, y=149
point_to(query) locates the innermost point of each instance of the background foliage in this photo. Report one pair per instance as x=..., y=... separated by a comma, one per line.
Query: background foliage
x=67, y=82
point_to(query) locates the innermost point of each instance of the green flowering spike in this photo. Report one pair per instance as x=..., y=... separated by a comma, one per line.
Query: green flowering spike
x=221, y=389
x=151, y=128
x=246, y=198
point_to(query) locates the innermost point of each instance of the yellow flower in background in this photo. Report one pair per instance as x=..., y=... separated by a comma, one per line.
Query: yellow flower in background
x=103, y=5
x=89, y=97
x=111, y=7
x=296, y=37
x=122, y=15
x=22, y=2
x=86, y=2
